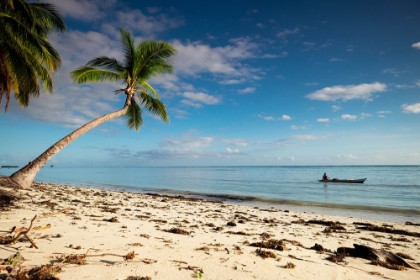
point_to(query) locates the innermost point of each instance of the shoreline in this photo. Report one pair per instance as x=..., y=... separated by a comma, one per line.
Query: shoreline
x=379, y=213
x=175, y=237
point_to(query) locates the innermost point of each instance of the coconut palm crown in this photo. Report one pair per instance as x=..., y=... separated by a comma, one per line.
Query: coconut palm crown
x=141, y=62
x=27, y=58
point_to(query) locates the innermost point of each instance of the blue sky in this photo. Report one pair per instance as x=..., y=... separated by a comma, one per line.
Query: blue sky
x=256, y=83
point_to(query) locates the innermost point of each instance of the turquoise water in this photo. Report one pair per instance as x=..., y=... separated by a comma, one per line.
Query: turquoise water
x=387, y=188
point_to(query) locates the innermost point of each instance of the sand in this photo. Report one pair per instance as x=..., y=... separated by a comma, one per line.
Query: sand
x=118, y=235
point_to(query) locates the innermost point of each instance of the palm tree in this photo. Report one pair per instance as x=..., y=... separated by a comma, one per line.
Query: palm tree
x=27, y=59
x=141, y=62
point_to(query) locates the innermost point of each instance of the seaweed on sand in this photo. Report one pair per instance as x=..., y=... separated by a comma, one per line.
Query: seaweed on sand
x=371, y=227
x=279, y=245
x=265, y=254
x=177, y=231
x=43, y=272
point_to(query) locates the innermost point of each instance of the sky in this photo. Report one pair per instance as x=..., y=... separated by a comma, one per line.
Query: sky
x=255, y=83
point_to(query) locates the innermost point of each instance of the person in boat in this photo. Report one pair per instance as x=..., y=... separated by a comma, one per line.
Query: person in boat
x=325, y=177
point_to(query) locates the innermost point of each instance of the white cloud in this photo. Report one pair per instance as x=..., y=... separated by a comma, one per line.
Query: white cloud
x=85, y=10
x=384, y=112
x=335, y=108
x=413, y=108
x=231, y=151
x=180, y=114
x=335, y=59
x=311, y=84
x=416, y=45
x=191, y=103
x=282, y=54
x=195, y=58
x=306, y=137
x=196, y=98
x=345, y=93
x=246, y=90
x=236, y=142
x=325, y=120
x=349, y=117
x=287, y=32
x=347, y=156
x=232, y=81
x=365, y=115
x=269, y=118
x=190, y=143
x=148, y=25
x=294, y=127
x=392, y=72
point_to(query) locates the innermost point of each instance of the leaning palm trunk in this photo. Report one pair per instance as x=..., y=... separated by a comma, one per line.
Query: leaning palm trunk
x=26, y=175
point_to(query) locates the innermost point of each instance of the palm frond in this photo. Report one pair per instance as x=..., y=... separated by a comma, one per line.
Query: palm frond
x=109, y=63
x=134, y=116
x=47, y=17
x=154, y=106
x=128, y=46
x=87, y=74
x=155, y=55
x=150, y=88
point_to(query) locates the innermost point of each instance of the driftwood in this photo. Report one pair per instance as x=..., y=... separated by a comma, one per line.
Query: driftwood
x=375, y=255
x=21, y=232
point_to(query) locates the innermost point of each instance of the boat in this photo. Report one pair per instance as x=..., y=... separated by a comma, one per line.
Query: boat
x=335, y=180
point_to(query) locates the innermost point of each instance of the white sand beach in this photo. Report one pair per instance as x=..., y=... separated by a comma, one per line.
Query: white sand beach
x=100, y=234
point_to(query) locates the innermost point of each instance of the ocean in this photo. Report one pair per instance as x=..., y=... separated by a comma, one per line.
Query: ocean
x=390, y=193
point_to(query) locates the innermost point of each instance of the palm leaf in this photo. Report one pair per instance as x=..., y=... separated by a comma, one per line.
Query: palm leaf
x=134, y=116
x=150, y=88
x=154, y=106
x=106, y=62
x=87, y=74
x=128, y=46
x=153, y=59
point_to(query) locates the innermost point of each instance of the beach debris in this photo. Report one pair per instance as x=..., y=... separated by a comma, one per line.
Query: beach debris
x=405, y=256
x=377, y=257
x=290, y=265
x=266, y=235
x=178, y=231
x=7, y=198
x=111, y=220
x=75, y=259
x=265, y=254
x=318, y=247
x=12, y=239
x=279, y=245
x=412, y=224
x=148, y=261
x=372, y=227
x=218, y=228
x=138, y=278
x=43, y=272
x=337, y=257
x=13, y=259
x=81, y=258
x=231, y=224
x=237, y=232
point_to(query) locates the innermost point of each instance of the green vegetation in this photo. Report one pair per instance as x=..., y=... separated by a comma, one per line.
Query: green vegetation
x=27, y=59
